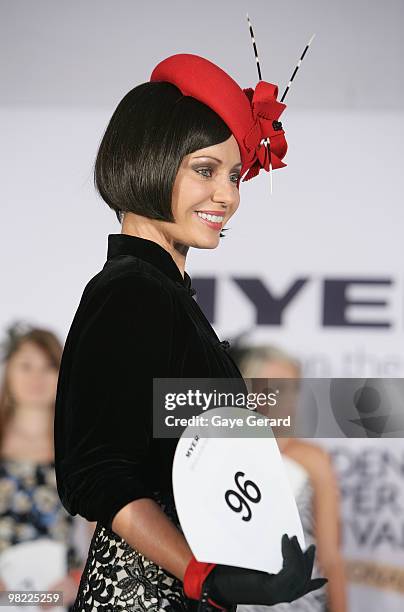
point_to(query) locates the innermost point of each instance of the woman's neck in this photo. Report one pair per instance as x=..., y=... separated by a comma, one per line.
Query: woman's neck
x=151, y=229
x=28, y=434
x=32, y=420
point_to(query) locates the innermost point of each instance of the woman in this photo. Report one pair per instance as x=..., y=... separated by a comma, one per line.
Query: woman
x=169, y=166
x=30, y=506
x=313, y=480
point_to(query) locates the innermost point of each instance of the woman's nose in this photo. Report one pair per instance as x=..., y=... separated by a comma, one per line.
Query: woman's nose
x=225, y=194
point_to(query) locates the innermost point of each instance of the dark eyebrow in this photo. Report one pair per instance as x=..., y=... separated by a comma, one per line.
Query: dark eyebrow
x=216, y=159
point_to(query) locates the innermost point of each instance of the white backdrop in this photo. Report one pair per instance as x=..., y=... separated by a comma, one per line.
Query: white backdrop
x=335, y=213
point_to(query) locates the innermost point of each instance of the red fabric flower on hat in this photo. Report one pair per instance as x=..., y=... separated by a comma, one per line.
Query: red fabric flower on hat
x=266, y=111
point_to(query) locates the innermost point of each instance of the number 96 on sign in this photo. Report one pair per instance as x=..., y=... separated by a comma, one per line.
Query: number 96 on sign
x=238, y=500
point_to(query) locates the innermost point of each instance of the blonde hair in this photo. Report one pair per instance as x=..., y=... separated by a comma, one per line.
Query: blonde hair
x=251, y=359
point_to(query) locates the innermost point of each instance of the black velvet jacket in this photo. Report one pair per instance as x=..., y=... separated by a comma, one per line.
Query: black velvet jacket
x=136, y=320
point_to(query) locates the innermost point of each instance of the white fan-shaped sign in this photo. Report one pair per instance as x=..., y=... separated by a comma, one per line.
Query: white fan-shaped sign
x=233, y=497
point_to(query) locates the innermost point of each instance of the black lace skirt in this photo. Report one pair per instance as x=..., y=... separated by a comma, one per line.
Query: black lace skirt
x=118, y=578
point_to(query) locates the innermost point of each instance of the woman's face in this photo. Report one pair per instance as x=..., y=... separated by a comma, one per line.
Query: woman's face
x=32, y=379
x=206, y=184
x=286, y=378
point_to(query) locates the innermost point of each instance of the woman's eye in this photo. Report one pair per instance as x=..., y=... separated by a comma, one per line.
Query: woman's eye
x=234, y=177
x=200, y=170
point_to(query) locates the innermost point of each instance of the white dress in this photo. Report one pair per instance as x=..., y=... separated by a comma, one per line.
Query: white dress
x=315, y=601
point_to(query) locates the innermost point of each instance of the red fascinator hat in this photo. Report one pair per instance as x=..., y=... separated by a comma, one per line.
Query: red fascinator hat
x=251, y=114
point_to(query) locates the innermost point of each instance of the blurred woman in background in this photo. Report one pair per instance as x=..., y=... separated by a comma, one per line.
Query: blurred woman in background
x=313, y=482
x=29, y=503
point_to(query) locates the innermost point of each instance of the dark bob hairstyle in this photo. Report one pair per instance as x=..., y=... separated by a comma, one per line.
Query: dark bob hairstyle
x=152, y=129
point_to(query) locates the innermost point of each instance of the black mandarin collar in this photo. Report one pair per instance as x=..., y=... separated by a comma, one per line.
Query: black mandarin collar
x=153, y=253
